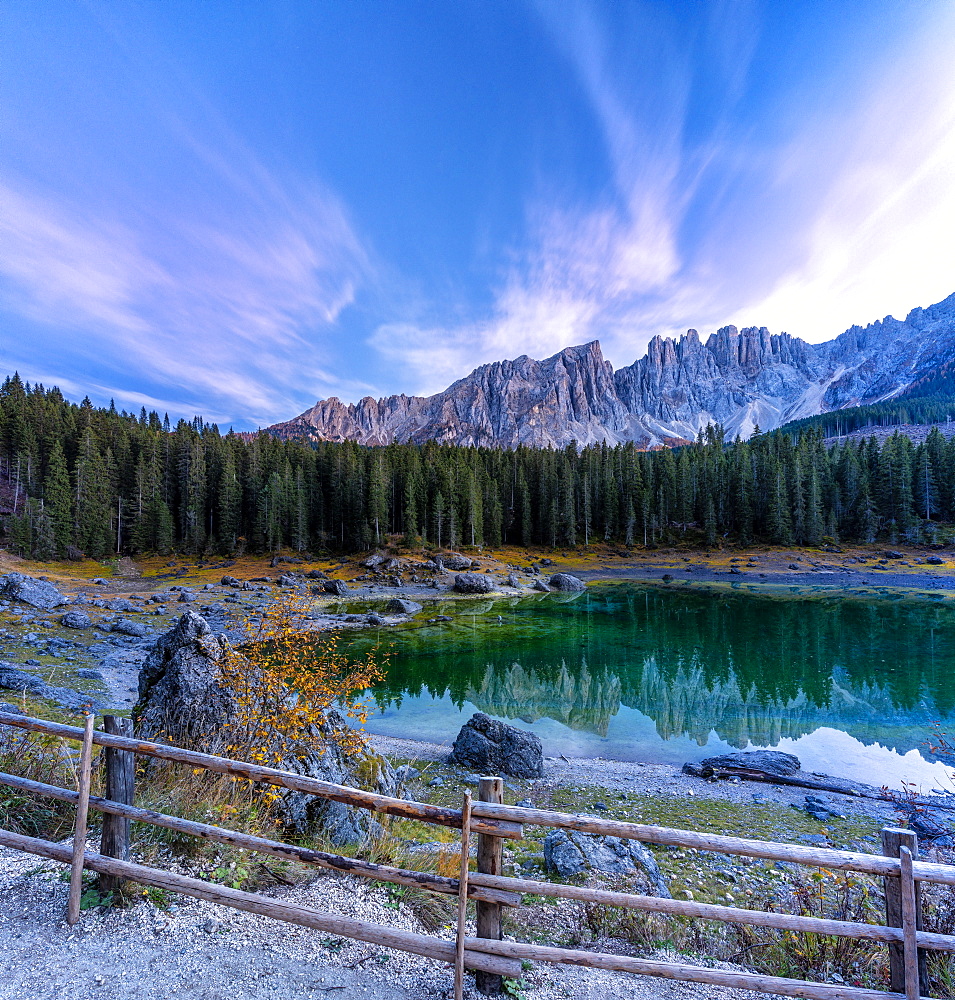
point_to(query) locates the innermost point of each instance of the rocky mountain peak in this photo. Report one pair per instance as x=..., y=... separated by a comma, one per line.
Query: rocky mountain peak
x=737, y=378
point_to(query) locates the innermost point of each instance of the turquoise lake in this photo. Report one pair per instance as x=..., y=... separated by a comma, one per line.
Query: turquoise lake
x=634, y=672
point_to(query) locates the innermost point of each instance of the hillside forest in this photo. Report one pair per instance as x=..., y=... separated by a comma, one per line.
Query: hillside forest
x=75, y=479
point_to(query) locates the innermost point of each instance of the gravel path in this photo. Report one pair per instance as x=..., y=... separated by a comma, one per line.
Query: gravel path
x=201, y=951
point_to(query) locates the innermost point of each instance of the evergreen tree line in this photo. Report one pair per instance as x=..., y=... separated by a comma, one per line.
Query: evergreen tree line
x=78, y=479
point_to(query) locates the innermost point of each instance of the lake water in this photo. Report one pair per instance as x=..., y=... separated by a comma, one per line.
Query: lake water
x=650, y=673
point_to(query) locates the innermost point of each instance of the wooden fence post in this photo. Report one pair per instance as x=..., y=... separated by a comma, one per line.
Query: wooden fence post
x=463, y=872
x=893, y=839
x=120, y=786
x=79, y=833
x=489, y=862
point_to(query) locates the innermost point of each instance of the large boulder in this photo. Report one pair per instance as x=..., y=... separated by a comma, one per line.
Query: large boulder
x=29, y=590
x=181, y=700
x=337, y=587
x=489, y=746
x=566, y=582
x=569, y=853
x=304, y=814
x=473, y=583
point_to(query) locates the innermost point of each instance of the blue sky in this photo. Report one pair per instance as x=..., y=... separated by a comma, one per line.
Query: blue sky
x=233, y=209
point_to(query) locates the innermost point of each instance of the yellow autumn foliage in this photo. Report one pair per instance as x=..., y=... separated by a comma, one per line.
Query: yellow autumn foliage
x=286, y=678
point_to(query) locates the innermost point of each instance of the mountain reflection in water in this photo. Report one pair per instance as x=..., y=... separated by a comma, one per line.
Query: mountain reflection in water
x=750, y=668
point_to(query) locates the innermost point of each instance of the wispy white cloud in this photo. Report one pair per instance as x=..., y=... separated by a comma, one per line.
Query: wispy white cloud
x=231, y=312
x=845, y=217
x=612, y=268
x=878, y=237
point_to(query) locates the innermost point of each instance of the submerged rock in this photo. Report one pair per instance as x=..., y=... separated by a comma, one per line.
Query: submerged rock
x=400, y=606
x=493, y=747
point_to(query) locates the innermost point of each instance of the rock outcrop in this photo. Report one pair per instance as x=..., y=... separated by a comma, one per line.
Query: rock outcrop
x=29, y=590
x=737, y=378
x=182, y=700
x=489, y=746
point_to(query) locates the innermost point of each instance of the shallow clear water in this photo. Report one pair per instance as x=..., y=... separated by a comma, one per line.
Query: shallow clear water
x=636, y=672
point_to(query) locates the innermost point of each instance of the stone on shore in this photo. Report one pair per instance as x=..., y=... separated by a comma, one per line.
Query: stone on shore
x=767, y=761
x=489, y=746
x=473, y=583
x=566, y=582
x=455, y=561
x=337, y=587
x=541, y=586
x=76, y=619
x=29, y=590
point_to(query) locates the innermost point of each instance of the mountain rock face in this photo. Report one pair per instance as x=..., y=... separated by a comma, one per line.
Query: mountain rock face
x=737, y=378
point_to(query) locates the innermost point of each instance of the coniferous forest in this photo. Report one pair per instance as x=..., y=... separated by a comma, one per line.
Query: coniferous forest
x=77, y=479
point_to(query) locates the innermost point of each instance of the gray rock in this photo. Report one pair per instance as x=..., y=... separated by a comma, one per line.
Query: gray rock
x=137, y=629
x=182, y=700
x=337, y=587
x=89, y=673
x=230, y=581
x=455, y=561
x=771, y=762
x=569, y=853
x=822, y=809
x=541, y=586
x=76, y=619
x=374, y=619
x=513, y=580
x=14, y=679
x=398, y=605
x=566, y=582
x=162, y=598
x=29, y=590
x=493, y=747
x=185, y=597
x=121, y=604
x=407, y=773
x=473, y=583
x=375, y=560
x=935, y=561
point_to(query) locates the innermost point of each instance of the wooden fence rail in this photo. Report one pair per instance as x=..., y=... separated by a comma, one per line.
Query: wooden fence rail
x=487, y=953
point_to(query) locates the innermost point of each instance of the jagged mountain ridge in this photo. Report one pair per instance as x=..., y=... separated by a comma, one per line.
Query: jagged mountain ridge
x=739, y=379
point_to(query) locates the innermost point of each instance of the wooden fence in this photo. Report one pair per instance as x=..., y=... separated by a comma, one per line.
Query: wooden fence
x=486, y=953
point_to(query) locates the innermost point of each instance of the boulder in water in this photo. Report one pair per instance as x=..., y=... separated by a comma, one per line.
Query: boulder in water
x=400, y=606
